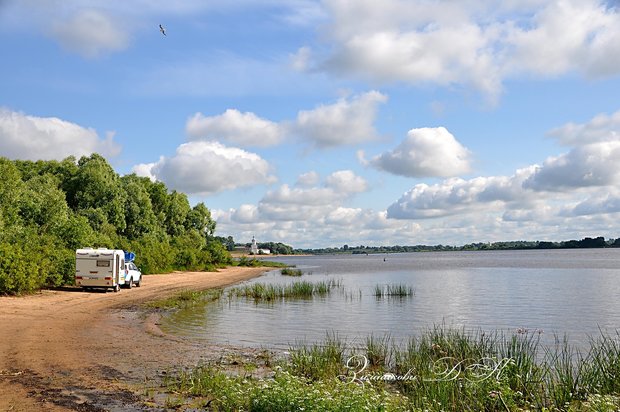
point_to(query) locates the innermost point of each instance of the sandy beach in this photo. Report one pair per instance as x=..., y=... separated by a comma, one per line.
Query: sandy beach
x=67, y=349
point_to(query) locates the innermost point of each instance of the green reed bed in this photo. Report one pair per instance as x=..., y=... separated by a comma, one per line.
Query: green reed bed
x=393, y=290
x=291, y=272
x=443, y=369
x=271, y=292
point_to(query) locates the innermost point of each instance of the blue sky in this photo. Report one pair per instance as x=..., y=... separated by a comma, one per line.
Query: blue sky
x=323, y=123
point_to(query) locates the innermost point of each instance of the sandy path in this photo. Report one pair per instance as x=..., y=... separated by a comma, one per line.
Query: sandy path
x=74, y=350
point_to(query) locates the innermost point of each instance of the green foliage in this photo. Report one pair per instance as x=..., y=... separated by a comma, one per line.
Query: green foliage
x=176, y=213
x=285, y=392
x=97, y=186
x=139, y=216
x=442, y=369
x=43, y=204
x=291, y=272
x=17, y=274
x=49, y=209
x=277, y=248
x=11, y=188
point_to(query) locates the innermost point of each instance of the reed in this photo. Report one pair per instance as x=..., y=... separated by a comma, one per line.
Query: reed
x=379, y=351
x=295, y=290
x=291, y=272
x=320, y=360
x=393, y=290
x=400, y=290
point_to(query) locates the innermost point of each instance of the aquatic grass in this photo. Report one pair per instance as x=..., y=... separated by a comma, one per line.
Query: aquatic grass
x=379, y=351
x=319, y=360
x=186, y=298
x=565, y=368
x=295, y=290
x=524, y=373
x=393, y=290
x=469, y=370
x=446, y=369
x=602, y=373
x=291, y=272
x=350, y=295
x=400, y=289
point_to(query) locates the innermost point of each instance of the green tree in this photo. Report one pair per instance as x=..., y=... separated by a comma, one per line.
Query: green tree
x=96, y=186
x=139, y=216
x=11, y=189
x=160, y=201
x=43, y=204
x=176, y=213
x=199, y=219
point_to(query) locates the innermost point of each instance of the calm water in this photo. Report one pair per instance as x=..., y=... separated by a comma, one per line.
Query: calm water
x=573, y=292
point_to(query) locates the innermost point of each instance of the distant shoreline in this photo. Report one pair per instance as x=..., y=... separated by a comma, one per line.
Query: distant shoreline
x=585, y=243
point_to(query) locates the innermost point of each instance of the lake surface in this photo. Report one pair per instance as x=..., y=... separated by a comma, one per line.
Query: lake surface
x=573, y=292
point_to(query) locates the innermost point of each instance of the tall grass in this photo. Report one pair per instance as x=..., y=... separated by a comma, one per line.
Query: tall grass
x=291, y=272
x=393, y=290
x=379, y=351
x=271, y=292
x=442, y=369
x=320, y=360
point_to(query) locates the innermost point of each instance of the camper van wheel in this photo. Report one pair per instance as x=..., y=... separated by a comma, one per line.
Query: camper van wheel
x=117, y=288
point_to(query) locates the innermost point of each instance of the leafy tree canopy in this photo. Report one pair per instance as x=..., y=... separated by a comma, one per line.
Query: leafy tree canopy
x=51, y=208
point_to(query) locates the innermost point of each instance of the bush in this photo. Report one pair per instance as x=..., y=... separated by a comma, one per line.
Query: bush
x=18, y=273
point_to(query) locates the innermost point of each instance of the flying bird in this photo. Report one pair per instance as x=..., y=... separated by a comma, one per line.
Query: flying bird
x=162, y=29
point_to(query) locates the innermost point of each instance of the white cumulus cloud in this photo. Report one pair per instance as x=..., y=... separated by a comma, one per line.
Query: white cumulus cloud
x=308, y=179
x=209, y=167
x=426, y=152
x=346, y=122
x=584, y=166
x=601, y=128
x=46, y=138
x=345, y=181
x=246, y=129
x=471, y=44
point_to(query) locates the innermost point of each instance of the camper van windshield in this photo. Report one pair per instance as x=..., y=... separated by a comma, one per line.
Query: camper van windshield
x=103, y=263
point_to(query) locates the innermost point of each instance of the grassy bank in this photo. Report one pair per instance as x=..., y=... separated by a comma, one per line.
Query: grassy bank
x=253, y=262
x=441, y=370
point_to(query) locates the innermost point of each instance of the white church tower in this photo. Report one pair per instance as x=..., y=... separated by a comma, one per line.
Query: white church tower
x=254, y=247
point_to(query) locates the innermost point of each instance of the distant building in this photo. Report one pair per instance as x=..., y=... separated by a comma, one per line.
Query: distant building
x=254, y=247
x=254, y=250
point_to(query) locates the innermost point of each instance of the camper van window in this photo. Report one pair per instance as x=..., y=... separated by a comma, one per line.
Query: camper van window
x=103, y=263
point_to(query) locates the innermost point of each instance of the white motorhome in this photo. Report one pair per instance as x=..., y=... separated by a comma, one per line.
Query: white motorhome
x=100, y=268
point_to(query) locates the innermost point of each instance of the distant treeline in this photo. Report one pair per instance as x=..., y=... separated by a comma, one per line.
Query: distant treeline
x=588, y=242
x=48, y=209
